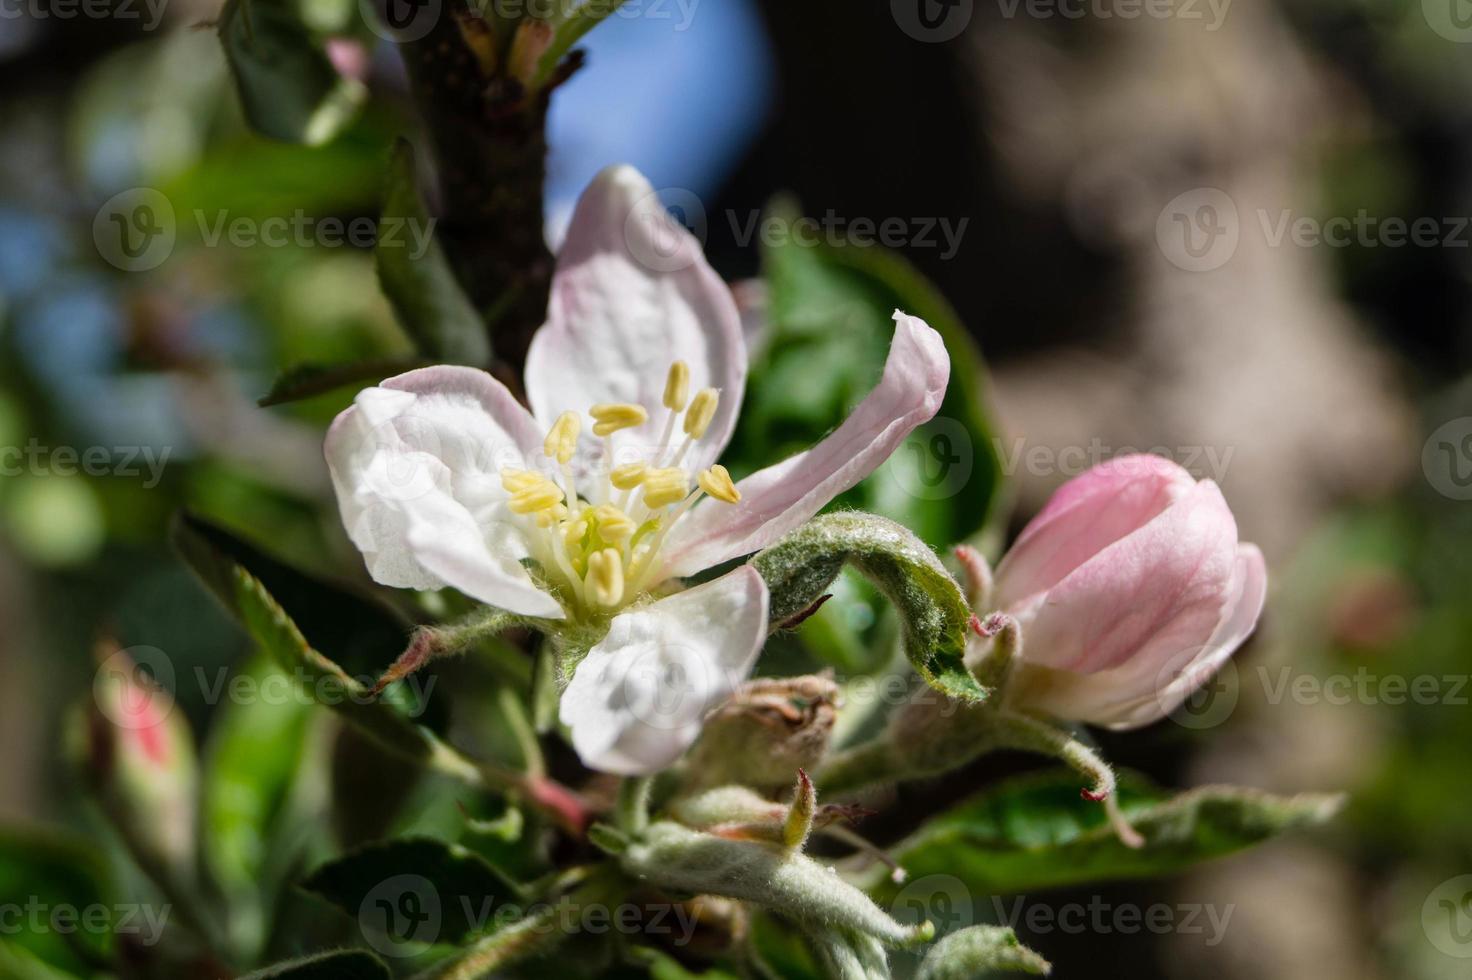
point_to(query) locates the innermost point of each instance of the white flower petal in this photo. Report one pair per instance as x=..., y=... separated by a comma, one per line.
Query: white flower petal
x=633, y=293
x=640, y=697
x=779, y=498
x=415, y=464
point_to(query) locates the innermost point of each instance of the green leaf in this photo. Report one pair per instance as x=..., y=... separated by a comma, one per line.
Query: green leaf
x=418, y=890
x=311, y=380
x=288, y=87
x=978, y=950
x=228, y=565
x=359, y=635
x=930, y=604
x=254, y=759
x=1036, y=832
x=57, y=872
x=427, y=299
x=831, y=305
x=18, y=963
x=352, y=964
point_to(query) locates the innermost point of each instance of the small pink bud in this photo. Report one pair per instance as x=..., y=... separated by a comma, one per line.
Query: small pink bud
x=1131, y=589
x=138, y=756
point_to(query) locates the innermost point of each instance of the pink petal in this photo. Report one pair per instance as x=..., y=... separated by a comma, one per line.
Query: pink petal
x=779, y=498
x=1145, y=690
x=1086, y=515
x=1162, y=587
x=631, y=295
x=415, y=463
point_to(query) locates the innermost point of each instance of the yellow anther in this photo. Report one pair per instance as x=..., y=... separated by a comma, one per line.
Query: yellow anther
x=539, y=497
x=702, y=410
x=605, y=578
x=716, y=481
x=514, y=480
x=628, y=476
x=608, y=419
x=562, y=440
x=573, y=533
x=550, y=516
x=613, y=524
x=665, y=486
x=677, y=386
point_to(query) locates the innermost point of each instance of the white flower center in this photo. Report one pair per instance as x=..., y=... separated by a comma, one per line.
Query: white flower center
x=602, y=549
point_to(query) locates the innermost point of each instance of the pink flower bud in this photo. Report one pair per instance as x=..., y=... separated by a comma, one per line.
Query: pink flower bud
x=138, y=757
x=1132, y=591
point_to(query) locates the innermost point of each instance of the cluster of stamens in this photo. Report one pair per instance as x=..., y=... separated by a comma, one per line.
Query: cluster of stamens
x=602, y=547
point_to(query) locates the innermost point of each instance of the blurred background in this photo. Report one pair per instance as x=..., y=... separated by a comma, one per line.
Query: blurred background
x=1234, y=232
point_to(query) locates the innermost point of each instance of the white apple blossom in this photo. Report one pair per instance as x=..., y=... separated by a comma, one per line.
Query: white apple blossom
x=444, y=479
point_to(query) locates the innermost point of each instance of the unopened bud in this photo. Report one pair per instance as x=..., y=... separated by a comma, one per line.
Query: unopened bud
x=769, y=730
x=138, y=757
